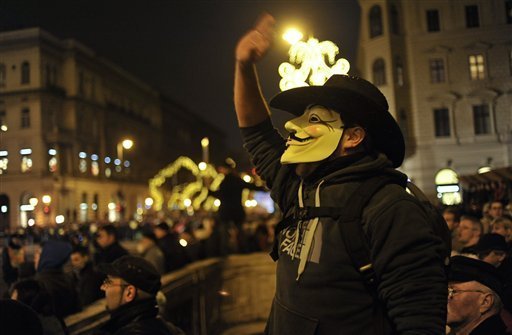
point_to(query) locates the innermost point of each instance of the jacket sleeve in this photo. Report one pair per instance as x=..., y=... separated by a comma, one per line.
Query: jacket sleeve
x=409, y=266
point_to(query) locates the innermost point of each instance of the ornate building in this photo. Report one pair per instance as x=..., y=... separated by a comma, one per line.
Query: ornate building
x=446, y=68
x=64, y=114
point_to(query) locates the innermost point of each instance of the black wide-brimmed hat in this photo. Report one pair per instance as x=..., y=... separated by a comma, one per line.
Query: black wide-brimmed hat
x=358, y=102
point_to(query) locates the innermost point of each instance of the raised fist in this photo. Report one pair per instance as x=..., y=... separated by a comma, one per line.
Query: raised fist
x=254, y=45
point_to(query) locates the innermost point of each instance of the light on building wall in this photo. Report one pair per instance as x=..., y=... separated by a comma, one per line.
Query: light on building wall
x=484, y=169
x=4, y=209
x=148, y=202
x=52, y=152
x=46, y=199
x=59, y=219
x=31, y=222
x=26, y=151
x=94, y=157
x=4, y=127
x=82, y=155
x=33, y=201
x=311, y=63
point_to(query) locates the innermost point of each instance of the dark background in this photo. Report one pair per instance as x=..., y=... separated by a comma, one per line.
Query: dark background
x=185, y=49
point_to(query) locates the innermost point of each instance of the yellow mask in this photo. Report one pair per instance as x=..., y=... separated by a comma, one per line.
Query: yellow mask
x=313, y=136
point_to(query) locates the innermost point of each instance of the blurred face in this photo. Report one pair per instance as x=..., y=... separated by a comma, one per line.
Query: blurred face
x=314, y=136
x=503, y=230
x=78, y=260
x=115, y=292
x=495, y=257
x=450, y=220
x=14, y=295
x=464, y=304
x=496, y=210
x=159, y=233
x=104, y=239
x=465, y=231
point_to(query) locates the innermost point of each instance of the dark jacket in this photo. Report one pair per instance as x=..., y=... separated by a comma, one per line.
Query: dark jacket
x=329, y=296
x=175, y=255
x=139, y=318
x=493, y=325
x=87, y=283
x=110, y=253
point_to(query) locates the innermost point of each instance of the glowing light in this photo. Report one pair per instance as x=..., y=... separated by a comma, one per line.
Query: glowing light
x=59, y=219
x=4, y=153
x=126, y=164
x=484, y=169
x=202, y=166
x=33, y=202
x=292, y=36
x=61, y=232
x=117, y=161
x=46, y=199
x=26, y=208
x=148, y=202
x=127, y=144
x=187, y=202
x=224, y=293
x=133, y=225
x=448, y=188
x=94, y=207
x=52, y=152
x=82, y=154
x=205, y=142
x=3, y=209
x=140, y=211
x=311, y=57
x=247, y=178
x=216, y=203
x=93, y=228
x=83, y=206
x=94, y=157
x=3, y=127
x=25, y=151
x=107, y=160
x=111, y=206
x=183, y=242
x=31, y=222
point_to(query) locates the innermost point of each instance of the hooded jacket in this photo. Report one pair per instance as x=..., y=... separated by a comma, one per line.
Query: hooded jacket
x=318, y=289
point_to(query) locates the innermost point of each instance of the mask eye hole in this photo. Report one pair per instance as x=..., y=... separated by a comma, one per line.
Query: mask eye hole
x=313, y=118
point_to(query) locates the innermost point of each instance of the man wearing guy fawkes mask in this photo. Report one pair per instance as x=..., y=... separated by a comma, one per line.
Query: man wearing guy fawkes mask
x=343, y=137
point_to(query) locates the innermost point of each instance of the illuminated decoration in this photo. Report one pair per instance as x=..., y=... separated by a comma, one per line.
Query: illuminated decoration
x=448, y=188
x=59, y=219
x=310, y=58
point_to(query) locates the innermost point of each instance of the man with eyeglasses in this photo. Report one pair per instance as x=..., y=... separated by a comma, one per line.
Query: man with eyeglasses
x=474, y=302
x=131, y=287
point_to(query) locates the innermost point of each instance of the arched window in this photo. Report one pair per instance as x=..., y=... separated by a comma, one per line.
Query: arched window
x=375, y=21
x=393, y=14
x=379, y=72
x=25, y=73
x=2, y=74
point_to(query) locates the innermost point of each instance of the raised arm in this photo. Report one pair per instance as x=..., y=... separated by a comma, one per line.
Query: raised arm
x=250, y=105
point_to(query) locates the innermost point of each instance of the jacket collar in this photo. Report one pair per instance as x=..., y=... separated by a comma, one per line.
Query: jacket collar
x=130, y=312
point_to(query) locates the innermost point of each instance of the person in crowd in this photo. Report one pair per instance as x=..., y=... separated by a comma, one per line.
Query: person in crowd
x=148, y=249
x=131, y=287
x=109, y=247
x=469, y=232
x=231, y=213
x=492, y=249
x=86, y=279
x=343, y=134
x=175, y=255
x=18, y=318
x=50, y=273
x=502, y=226
x=495, y=211
x=33, y=294
x=474, y=302
x=452, y=217
x=14, y=264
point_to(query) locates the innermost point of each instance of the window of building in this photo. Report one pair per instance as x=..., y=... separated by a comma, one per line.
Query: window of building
x=82, y=162
x=25, y=73
x=442, y=122
x=4, y=160
x=437, y=73
x=433, y=20
x=399, y=67
x=25, y=118
x=508, y=11
x=379, y=72
x=26, y=160
x=3, y=74
x=95, y=167
x=84, y=208
x=476, y=67
x=395, y=25
x=375, y=21
x=53, y=163
x=108, y=171
x=472, y=17
x=481, y=119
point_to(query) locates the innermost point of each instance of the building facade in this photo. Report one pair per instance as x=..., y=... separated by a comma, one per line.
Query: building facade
x=65, y=114
x=446, y=70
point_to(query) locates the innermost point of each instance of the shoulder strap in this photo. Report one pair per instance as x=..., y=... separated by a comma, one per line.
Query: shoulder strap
x=352, y=230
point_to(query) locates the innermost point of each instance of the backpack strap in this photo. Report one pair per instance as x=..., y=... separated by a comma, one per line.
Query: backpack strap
x=351, y=227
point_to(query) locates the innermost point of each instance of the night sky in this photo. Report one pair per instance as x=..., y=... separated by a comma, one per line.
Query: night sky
x=185, y=48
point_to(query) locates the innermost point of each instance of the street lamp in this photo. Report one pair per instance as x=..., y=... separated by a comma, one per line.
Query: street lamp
x=124, y=144
x=205, y=143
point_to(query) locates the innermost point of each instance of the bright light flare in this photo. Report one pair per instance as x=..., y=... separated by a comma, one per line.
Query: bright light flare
x=183, y=242
x=127, y=144
x=292, y=36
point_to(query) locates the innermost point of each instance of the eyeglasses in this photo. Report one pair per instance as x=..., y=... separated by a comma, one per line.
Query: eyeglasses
x=452, y=292
x=108, y=283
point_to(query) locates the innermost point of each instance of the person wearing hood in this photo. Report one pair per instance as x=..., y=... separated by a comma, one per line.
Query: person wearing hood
x=50, y=273
x=342, y=138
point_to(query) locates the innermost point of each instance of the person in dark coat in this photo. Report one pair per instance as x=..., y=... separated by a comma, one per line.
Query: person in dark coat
x=86, y=279
x=343, y=137
x=474, y=298
x=175, y=255
x=109, y=247
x=130, y=291
x=59, y=285
x=32, y=293
x=18, y=318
